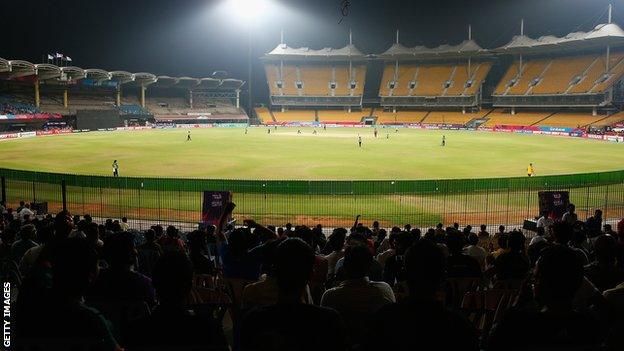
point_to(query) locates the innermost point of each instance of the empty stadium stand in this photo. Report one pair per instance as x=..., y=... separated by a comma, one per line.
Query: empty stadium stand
x=295, y=116
x=503, y=117
x=452, y=117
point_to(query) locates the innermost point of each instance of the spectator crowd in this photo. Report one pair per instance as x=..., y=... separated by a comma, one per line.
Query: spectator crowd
x=80, y=284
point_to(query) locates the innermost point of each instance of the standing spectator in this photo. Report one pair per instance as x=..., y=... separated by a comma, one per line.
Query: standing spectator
x=287, y=325
x=171, y=241
x=336, y=244
x=570, y=216
x=483, y=233
x=512, y=264
x=594, y=224
x=25, y=213
x=545, y=221
x=198, y=253
x=420, y=319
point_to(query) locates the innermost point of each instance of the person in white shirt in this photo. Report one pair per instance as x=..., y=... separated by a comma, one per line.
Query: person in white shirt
x=544, y=221
x=124, y=224
x=475, y=251
x=25, y=211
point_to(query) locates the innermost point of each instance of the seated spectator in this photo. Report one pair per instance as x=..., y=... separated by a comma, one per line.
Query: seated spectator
x=320, y=269
x=458, y=264
x=119, y=282
x=265, y=291
x=383, y=256
x=394, y=270
x=375, y=273
x=289, y=324
x=556, y=325
x=92, y=234
x=594, y=224
x=237, y=262
x=570, y=216
x=483, y=233
x=148, y=253
x=171, y=323
x=420, y=319
x=475, y=251
x=603, y=272
x=335, y=244
x=18, y=249
x=513, y=264
x=540, y=235
x=124, y=224
x=8, y=238
x=357, y=298
x=501, y=240
x=45, y=236
x=171, y=241
x=25, y=211
x=562, y=234
x=60, y=316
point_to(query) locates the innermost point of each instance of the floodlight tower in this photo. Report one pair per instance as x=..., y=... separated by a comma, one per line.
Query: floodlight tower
x=249, y=11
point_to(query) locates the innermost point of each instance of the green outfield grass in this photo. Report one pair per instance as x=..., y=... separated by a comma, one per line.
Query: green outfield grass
x=331, y=154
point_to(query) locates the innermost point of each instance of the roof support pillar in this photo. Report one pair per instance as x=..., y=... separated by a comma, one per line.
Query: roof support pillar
x=37, y=96
x=118, y=96
x=237, y=98
x=143, y=88
x=608, y=59
x=190, y=98
x=65, y=98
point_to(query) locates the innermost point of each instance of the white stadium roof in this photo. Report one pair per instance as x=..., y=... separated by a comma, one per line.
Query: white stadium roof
x=601, y=36
x=45, y=71
x=465, y=48
x=285, y=52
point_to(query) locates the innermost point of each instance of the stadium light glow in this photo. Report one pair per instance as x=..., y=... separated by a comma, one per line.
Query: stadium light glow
x=248, y=9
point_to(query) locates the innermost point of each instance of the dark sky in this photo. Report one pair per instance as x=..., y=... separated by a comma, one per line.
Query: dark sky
x=192, y=37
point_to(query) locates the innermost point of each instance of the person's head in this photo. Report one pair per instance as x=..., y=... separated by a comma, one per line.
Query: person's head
x=375, y=225
x=172, y=278
x=439, y=226
x=473, y=239
x=294, y=260
x=416, y=234
x=150, y=235
x=197, y=241
x=158, y=230
x=607, y=228
x=92, y=232
x=172, y=232
x=516, y=241
x=74, y=267
x=501, y=229
x=562, y=232
x=605, y=248
x=425, y=268
x=355, y=239
x=27, y=232
x=571, y=208
x=456, y=226
x=455, y=243
x=124, y=219
x=483, y=227
x=280, y=232
x=119, y=251
x=357, y=261
x=598, y=213
x=22, y=203
x=403, y=241
x=63, y=225
x=558, y=275
x=336, y=240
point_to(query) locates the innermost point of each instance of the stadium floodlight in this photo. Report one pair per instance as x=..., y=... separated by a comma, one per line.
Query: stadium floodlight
x=249, y=9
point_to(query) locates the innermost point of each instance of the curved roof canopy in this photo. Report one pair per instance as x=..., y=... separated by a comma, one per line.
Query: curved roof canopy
x=122, y=77
x=209, y=83
x=19, y=68
x=4, y=65
x=72, y=73
x=187, y=82
x=601, y=36
x=47, y=71
x=143, y=78
x=285, y=52
x=467, y=48
x=230, y=83
x=165, y=81
x=97, y=74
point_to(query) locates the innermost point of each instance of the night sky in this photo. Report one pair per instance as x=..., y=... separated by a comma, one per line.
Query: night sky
x=194, y=38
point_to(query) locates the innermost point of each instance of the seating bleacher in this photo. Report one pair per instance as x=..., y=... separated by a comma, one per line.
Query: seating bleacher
x=557, y=75
x=610, y=120
x=263, y=114
x=570, y=120
x=452, y=117
x=341, y=115
x=430, y=79
x=502, y=117
x=400, y=117
x=315, y=80
x=295, y=116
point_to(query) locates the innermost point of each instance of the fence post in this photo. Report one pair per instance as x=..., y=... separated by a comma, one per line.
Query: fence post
x=64, y=194
x=3, y=186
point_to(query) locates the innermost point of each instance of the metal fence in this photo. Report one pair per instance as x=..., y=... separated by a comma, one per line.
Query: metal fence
x=490, y=201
